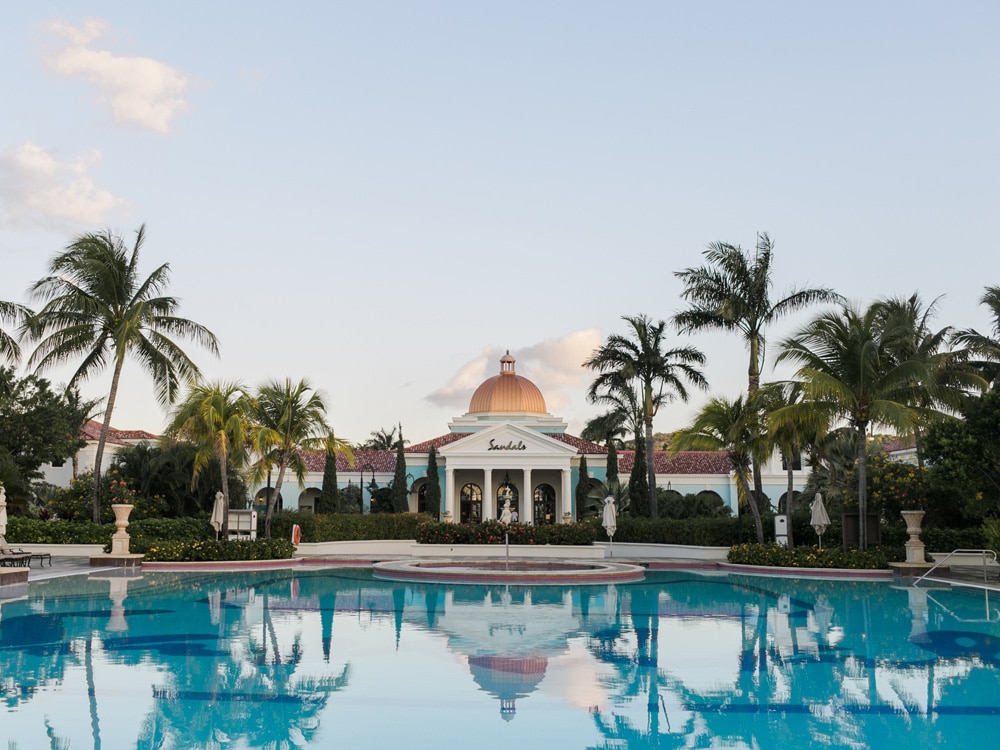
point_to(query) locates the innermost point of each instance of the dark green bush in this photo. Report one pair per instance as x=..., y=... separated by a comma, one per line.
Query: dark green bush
x=707, y=532
x=493, y=532
x=946, y=540
x=211, y=550
x=22, y=530
x=774, y=555
x=342, y=527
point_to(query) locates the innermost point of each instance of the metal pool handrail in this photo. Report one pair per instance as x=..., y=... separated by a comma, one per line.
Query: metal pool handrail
x=983, y=552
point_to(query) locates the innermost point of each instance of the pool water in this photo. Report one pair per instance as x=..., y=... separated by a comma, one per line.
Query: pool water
x=336, y=658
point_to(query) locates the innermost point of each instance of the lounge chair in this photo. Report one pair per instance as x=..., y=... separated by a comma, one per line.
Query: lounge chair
x=14, y=558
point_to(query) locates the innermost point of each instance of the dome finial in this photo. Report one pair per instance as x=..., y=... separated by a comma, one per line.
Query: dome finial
x=507, y=364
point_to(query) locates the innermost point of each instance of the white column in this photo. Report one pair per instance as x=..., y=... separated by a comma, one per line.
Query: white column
x=449, y=493
x=526, y=513
x=567, y=490
x=488, y=500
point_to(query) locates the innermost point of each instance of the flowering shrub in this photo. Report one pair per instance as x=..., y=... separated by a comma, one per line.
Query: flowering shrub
x=774, y=555
x=211, y=550
x=121, y=493
x=893, y=486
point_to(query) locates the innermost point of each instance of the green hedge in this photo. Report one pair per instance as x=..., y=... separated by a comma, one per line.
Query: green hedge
x=212, y=550
x=946, y=540
x=774, y=555
x=493, y=532
x=342, y=527
x=705, y=532
x=35, y=531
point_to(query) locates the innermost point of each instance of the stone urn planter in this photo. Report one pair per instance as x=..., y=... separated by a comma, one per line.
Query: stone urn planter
x=914, y=547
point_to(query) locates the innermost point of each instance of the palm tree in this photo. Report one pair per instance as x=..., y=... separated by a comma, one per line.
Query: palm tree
x=986, y=345
x=733, y=427
x=638, y=363
x=287, y=418
x=214, y=417
x=99, y=307
x=950, y=377
x=848, y=371
x=383, y=440
x=11, y=312
x=790, y=433
x=733, y=293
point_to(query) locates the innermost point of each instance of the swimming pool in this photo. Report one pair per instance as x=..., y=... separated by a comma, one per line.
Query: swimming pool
x=336, y=658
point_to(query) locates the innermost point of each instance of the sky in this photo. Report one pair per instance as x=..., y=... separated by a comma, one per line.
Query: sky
x=383, y=197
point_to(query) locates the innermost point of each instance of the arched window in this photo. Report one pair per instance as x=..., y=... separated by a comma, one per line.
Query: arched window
x=471, y=506
x=545, y=504
x=515, y=506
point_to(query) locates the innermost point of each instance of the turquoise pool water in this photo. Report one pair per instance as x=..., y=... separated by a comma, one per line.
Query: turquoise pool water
x=335, y=658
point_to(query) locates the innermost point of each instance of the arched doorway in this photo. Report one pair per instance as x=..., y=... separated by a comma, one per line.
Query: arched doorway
x=260, y=502
x=471, y=504
x=545, y=504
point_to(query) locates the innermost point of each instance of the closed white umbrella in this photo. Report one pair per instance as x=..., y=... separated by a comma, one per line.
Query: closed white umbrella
x=820, y=520
x=3, y=511
x=610, y=521
x=218, y=512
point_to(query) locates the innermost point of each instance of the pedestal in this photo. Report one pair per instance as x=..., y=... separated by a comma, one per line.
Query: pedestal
x=119, y=541
x=914, y=547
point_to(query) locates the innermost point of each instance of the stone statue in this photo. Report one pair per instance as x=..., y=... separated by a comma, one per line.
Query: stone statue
x=505, y=514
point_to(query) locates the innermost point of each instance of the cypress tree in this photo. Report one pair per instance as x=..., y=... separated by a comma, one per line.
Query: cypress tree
x=400, y=492
x=329, y=496
x=582, y=488
x=432, y=493
x=638, y=485
x=612, y=470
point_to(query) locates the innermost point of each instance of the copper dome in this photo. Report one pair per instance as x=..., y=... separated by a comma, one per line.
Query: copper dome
x=507, y=392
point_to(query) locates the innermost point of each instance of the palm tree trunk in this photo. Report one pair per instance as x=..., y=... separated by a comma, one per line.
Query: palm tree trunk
x=758, y=525
x=862, y=449
x=273, y=499
x=650, y=466
x=104, y=438
x=790, y=502
x=223, y=469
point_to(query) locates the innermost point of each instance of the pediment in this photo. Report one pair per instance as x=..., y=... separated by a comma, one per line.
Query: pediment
x=508, y=439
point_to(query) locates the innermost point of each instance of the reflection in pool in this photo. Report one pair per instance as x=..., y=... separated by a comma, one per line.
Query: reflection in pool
x=324, y=658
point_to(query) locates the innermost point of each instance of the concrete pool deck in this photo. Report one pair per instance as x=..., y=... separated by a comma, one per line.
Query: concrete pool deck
x=958, y=574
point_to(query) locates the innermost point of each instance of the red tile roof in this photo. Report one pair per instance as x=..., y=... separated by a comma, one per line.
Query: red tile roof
x=384, y=461
x=92, y=431
x=685, y=462
x=438, y=442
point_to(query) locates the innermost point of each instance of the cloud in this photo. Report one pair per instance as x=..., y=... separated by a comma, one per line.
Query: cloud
x=554, y=365
x=142, y=92
x=36, y=188
x=457, y=393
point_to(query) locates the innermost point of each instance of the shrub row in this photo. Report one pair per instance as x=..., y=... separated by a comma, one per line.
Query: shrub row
x=342, y=527
x=707, y=532
x=493, y=532
x=22, y=530
x=212, y=550
x=774, y=555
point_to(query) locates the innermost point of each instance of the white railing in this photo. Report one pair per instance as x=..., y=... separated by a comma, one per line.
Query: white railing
x=989, y=556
